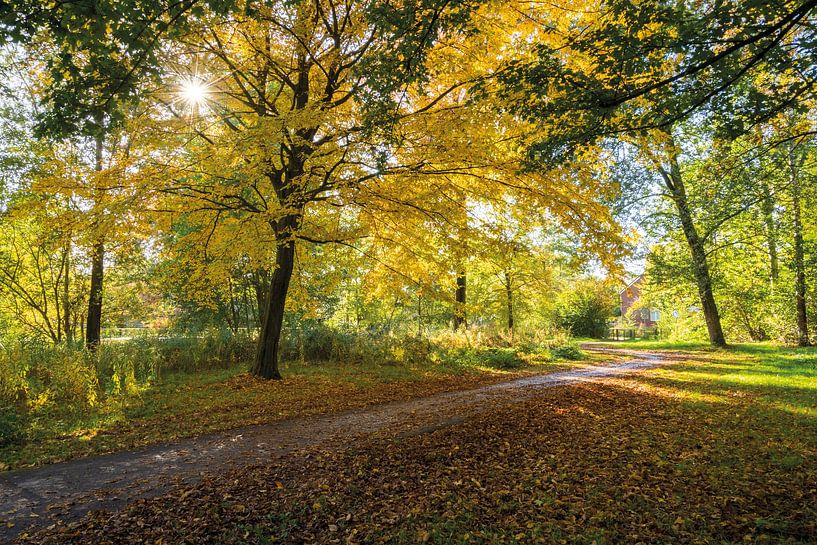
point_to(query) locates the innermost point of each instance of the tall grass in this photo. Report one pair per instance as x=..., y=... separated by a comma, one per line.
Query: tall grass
x=316, y=342
x=38, y=379
x=43, y=381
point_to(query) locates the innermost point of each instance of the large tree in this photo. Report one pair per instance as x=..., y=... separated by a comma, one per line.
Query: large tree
x=301, y=120
x=635, y=70
x=305, y=92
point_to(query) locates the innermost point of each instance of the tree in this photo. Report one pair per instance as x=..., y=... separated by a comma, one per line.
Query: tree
x=593, y=76
x=295, y=75
x=305, y=123
x=93, y=327
x=40, y=287
x=669, y=168
x=795, y=158
x=739, y=191
x=289, y=81
x=585, y=308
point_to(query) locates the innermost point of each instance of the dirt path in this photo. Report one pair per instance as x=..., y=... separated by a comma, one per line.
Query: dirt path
x=38, y=498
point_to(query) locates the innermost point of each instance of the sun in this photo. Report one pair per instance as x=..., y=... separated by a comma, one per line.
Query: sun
x=194, y=92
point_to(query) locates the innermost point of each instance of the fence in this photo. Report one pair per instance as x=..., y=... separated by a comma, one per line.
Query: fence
x=624, y=333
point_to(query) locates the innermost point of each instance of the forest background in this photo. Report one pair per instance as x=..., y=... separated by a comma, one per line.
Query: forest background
x=200, y=186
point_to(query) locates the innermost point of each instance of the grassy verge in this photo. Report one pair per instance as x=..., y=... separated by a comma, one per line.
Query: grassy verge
x=654, y=344
x=184, y=404
x=721, y=448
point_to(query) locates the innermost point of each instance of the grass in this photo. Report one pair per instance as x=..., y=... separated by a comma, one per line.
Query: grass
x=656, y=344
x=778, y=376
x=720, y=447
x=773, y=376
x=184, y=404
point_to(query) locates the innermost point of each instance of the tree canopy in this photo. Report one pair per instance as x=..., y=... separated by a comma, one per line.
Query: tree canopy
x=258, y=164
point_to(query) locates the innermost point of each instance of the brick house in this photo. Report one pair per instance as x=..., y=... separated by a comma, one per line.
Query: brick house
x=630, y=296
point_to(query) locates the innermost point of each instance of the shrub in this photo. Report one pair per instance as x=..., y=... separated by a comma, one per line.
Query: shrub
x=567, y=352
x=14, y=384
x=585, y=308
x=208, y=350
x=48, y=374
x=12, y=426
x=501, y=358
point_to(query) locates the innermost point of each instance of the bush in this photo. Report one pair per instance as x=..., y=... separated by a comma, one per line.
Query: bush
x=39, y=378
x=501, y=358
x=211, y=349
x=585, y=308
x=567, y=352
x=47, y=374
x=14, y=383
x=12, y=426
x=317, y=342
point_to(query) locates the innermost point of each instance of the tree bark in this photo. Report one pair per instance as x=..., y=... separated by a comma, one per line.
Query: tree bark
x=93, y=328
x=260, y=285
x=460, y=317
x=266, y=361
x=509, y=300
x=675, y=183
x=771, y=234
x=799, y=258
x=66, y=304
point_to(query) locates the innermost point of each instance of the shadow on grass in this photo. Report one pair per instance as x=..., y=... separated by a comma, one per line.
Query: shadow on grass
x=774, y=376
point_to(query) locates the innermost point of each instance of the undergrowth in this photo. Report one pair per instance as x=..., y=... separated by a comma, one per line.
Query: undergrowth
x=61, y=401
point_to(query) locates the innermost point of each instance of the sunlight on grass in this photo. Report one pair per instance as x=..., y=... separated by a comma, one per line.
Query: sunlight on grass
x=756, y=377
x=799, y=410
x=670, y=390
x=772, y=377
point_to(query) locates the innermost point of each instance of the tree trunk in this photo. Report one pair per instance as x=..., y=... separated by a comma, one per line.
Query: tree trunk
x=461, y=252
x=419, y=315
x=509, y=300
x=799, y=259
x=233, y=319
x=266, y=361
x=391, y=314
x=770, y=228
x=260, y=284
x=675, y=183
x=771, y=234
x=460, y=318
x=247, y=314
x=66, y=305
x=93, y=328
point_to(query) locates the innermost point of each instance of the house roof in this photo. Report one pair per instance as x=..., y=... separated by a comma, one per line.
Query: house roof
x=628, y=286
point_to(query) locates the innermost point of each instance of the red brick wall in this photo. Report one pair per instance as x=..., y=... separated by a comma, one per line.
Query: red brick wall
x=630, y=295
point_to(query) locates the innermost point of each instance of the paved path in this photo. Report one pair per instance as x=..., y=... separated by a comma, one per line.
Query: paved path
x=37, y=498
